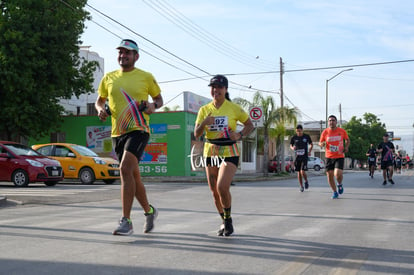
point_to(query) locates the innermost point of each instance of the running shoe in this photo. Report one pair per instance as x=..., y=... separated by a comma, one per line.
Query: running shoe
x=228, y=227
x=335, y=195
x=124, y=228
x=391, y=181
x=340, y=189
x=149, y=220
x=220, y=232
x=384, y=183
x=306, y=185
x=301, y=189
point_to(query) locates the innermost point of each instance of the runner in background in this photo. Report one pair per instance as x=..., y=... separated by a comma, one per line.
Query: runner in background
x=336, y=143
x=372, y=159
x=387, y=150
x=299, y=143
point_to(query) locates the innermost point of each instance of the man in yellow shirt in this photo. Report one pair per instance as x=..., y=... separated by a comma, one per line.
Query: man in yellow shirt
x=127, y=91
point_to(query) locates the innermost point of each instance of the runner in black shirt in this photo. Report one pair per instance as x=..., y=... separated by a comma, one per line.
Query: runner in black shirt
x=372, y=159
x=398, y=163
x=386, y=148
x=299, y=144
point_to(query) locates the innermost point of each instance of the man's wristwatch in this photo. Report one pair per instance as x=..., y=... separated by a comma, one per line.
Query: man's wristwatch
x=155, y=105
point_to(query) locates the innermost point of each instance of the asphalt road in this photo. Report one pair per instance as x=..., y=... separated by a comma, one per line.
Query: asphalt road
x=278, y=230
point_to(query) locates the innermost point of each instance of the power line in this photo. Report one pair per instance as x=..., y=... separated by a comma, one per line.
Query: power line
x=194, y=30
x=163, y=49
x=149, y=41
x=326, y=68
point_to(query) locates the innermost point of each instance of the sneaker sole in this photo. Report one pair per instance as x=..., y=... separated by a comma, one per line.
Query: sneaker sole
x=123, y=234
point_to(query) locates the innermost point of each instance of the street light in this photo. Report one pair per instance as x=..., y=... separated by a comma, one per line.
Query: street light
x=326, y=121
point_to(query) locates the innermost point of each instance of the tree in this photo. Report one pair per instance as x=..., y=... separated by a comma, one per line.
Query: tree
x=361, y=135
x=272, y=120
x=39, y=64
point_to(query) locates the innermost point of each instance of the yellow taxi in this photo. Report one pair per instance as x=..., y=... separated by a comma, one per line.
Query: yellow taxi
x=80, y=162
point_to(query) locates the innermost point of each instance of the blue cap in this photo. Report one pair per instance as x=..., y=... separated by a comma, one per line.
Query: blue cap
x=129, y=45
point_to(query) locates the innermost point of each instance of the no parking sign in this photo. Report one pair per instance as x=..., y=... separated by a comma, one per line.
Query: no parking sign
x=256, y=116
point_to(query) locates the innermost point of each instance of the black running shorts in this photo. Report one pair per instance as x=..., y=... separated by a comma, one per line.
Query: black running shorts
x=385, y=164
x=133, y=142
x=301, y=164
x=332, y=164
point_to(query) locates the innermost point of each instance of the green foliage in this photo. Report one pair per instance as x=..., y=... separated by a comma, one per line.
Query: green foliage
x=361, y=135
x=39, y=63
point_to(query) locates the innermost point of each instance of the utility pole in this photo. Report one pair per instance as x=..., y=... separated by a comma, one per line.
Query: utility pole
x=282, y=151
x=340, y=115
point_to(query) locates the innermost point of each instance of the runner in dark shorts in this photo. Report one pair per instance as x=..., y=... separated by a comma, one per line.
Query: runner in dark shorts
x=335, y=140
x=387, y=150
x=299, y=144
x=372, y=157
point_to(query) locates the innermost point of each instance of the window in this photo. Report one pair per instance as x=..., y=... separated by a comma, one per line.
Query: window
x=90, y=109
x=248, y=149
x=61, y=151
x=47, y=150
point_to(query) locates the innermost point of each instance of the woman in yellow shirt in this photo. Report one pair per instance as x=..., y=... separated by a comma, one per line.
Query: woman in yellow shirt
x=218, y=119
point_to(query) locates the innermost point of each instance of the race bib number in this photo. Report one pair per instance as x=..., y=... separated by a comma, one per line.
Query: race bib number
x=300, y=152
x=371, y=159
x=220, y=124
x=333, y=148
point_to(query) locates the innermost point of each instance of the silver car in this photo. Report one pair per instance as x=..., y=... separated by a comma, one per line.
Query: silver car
x=315, y=163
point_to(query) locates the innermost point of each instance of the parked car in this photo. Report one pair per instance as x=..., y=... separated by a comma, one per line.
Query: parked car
x=22, y=165
x=315, y=163
x=274, y=164
x=80, y=162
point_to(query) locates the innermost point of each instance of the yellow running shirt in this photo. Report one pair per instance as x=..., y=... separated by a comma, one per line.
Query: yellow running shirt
x=124, y=91
x=226, y=118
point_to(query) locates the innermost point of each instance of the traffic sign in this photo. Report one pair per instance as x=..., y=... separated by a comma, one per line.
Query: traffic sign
x=256, y=116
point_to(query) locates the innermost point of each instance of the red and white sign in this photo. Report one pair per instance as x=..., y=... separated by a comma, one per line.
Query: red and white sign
x=256, y=116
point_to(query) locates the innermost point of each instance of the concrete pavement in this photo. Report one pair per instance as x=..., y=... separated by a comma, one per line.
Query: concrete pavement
x=278, y=230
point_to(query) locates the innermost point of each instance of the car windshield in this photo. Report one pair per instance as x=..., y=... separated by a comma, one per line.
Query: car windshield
x=84, y=151
x=21, y=150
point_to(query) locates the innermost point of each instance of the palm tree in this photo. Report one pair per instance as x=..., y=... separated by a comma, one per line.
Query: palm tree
x=273, y=125
x=283, y=116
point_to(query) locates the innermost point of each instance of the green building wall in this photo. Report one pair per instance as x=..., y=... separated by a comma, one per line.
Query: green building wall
x=180, y=126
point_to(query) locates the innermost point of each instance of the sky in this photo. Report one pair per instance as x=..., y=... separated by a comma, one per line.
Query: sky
x=183, y=42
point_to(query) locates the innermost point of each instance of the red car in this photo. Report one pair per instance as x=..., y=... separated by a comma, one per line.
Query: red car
x=274, y=164
x=22, y=165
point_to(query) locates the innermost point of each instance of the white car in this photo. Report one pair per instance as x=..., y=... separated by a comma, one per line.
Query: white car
x=315, y=163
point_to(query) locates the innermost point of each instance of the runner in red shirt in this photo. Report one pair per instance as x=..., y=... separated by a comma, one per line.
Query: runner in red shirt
x=336, y=143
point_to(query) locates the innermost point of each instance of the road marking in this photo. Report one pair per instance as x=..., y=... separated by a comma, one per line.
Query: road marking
x=300, y=263
x=351, y=264
x=46, y=193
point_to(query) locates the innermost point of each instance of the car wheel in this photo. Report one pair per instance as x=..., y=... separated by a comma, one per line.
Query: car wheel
x=50, y=183
x=317, y=168
x=86, y=176
x=109, y=181
x=20, y=178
